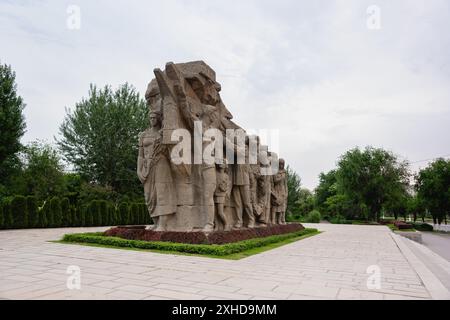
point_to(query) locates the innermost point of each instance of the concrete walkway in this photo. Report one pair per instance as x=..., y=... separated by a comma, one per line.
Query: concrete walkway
x=332, y=265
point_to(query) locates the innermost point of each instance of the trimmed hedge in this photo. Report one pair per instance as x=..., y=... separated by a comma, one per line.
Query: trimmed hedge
x=33, y=212
x=2, y=217
x=56, y=212
x=423, y=226
x=21, y=212
x=203, y=249
x=66, y=212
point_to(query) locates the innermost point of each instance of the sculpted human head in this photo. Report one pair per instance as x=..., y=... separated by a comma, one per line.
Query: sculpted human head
x=155, y=119
x=281, y=164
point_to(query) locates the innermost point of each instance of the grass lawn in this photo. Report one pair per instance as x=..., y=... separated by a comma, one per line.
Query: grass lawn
x=232, y=251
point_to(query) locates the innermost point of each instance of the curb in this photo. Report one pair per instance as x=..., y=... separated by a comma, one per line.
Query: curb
x=434, y=286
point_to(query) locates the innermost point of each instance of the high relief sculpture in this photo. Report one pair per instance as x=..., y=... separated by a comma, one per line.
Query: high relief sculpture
x=200, y=170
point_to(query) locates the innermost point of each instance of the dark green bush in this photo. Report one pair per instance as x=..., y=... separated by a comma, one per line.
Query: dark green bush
x=123, y=213
x=33, y=214
x=134, y=214
x=94, y=212
x=55, y=208
x=75, y=217
x=82, y=212
x=112, y=213
x=103, y=212
x=2, y=219
x=44, y=214
x=423, y=226
x=66, y=212
x=313, y=217
x=91, y=213
x=340, y=220
x=19, y=211
x=145, y=215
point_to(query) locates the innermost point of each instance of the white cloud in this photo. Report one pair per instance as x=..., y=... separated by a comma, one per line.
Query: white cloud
x=311, y=69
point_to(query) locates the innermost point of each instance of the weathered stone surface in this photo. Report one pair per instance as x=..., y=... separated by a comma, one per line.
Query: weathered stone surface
x=223, y=182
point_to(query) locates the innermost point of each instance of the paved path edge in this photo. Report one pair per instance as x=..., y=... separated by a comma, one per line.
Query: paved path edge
x=434, y=286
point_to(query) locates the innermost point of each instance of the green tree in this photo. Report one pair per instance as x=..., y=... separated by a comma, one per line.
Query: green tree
x=42, y=174
x=433, y=188
x=294, y=186
x=12, y=123
x=371, y=178
x=100, y=136
x=327, y=188
x=305, y=202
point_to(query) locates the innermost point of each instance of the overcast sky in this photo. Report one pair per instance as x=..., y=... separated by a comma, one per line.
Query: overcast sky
x=317, y=71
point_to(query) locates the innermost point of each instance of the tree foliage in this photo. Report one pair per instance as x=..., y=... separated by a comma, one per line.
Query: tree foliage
x=433, y=188
x=43, y=174
x=100, y=136
x=294, y=186
x=372, y=178
x=12, y=121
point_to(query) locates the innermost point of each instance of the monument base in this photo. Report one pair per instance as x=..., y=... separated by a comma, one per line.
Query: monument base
x=200, y=237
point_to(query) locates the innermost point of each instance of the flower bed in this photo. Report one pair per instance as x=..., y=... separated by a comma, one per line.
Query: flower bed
x=201, y=249
x=217, y=237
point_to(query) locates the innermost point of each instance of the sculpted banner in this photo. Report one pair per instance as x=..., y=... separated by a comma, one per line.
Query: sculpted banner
x=200, y=170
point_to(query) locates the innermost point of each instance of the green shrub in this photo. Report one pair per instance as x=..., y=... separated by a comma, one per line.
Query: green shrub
x=135, y=214
x=313, y=217
x=103, y=212
x=82, y=212
x=19, y=211
x=66, y=212
x=123, y=213
x=94, y=213
x=146, y=219
x=91, y=213
x=423, y=226
x=217, y=250
x=44, y=214
x=55, y=208
x=75, y=219
x=112, y=213
x=2, y=218
x=33, y=214
x=339, y=220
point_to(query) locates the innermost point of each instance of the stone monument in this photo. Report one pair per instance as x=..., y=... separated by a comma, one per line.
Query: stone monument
x=200, y=170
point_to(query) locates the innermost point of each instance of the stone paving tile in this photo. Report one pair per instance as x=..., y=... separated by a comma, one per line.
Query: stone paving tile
x=332, y=265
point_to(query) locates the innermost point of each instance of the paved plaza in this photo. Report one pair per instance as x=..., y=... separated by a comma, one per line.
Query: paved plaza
x=331, y=265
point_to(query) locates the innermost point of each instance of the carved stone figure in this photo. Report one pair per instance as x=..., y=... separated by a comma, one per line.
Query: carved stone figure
x=220, y=196
x=187, y=110
x=155, y=173
x=279, y=195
